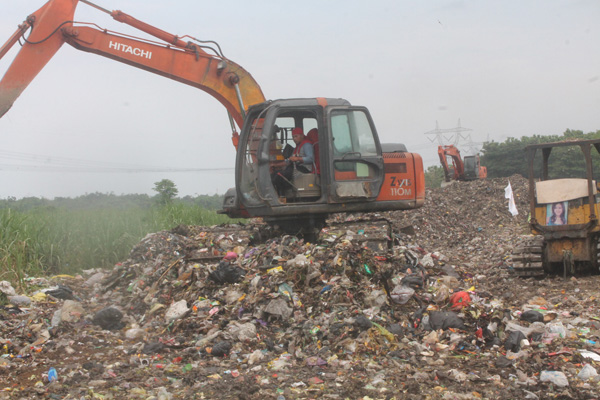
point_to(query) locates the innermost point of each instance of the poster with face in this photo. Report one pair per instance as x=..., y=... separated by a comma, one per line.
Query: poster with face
x=556, y=213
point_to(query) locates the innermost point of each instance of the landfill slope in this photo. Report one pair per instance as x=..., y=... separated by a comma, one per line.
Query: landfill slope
x=457, y=218
x=199, y=313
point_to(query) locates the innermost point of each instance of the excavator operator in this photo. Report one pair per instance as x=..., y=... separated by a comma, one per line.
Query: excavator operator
x=302, y=160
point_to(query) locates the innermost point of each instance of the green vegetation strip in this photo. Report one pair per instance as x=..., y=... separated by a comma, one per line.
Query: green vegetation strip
x=48, y=239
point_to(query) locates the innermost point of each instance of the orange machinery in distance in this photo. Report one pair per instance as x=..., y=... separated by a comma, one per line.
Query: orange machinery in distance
x=467, y=169
x=356, y=172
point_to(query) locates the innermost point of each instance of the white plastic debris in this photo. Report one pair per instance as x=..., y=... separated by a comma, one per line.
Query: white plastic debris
x=587, y=372
x=556, y=377
x=7, y=289
x=176, y=311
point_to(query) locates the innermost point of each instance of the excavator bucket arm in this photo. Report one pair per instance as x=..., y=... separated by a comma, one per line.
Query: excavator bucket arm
x=41, y=45
x=444, y=162
x=457, y=163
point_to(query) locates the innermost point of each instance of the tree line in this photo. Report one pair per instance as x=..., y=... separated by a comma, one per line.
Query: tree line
x=109, y=200
x=507, y=158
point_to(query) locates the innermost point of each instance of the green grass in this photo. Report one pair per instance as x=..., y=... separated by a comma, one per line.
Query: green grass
x=51, y=240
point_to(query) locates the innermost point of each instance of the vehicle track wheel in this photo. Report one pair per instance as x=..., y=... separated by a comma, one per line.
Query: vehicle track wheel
x=527, y=257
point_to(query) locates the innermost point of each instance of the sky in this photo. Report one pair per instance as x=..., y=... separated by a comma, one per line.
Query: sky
x=497, y=69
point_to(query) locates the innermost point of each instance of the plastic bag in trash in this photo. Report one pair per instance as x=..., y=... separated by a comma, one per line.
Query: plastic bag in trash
x=62, y=292
x=556, y=377
x=414, y=281
x=503, y=362
x=532, y=316
x=176, y=311
x=558, y=328
x=460, y=300
x=52, y=375
x=153, y=347
x=402, y=294
x=220, y=349
x=278, y=307
x=226, y=273
x=587, y=372
x=445, y=320
x=513, y=341
x=396, y=329
x=363, y=323
x=109, y=318
x=7, y=289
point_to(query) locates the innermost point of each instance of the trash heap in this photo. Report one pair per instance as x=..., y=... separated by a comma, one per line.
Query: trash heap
x=207, y=313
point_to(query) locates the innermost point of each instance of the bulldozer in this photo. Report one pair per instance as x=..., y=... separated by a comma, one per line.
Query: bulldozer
x=563, y=216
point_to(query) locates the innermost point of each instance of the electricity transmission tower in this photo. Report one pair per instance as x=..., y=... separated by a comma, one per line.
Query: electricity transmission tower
x=456, y=136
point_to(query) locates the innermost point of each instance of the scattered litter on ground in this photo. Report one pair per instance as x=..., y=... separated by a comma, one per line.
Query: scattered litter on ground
x=207, y=313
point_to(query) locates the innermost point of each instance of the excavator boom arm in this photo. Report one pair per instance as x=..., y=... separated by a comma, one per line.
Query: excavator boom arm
x=444, y=162
x=184, y=62
x=39, y=48
x=14, y=38
x=457, y=163
x=219, y=77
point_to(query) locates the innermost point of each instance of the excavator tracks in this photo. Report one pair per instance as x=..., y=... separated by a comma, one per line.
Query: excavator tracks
x=527, y=259
x=373, y=233
x=214, y=241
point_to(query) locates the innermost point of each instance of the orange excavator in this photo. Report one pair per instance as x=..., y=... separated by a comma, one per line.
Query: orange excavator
x=355, y=171
x=467, y=169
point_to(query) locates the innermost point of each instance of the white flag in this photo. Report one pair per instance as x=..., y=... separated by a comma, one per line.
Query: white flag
x=508, y=194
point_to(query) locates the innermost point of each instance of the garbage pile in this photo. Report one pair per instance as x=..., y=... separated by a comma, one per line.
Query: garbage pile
x=212, y=313
x=468, y=217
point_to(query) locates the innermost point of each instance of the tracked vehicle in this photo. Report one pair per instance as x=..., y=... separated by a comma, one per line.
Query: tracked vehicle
x=564, y=215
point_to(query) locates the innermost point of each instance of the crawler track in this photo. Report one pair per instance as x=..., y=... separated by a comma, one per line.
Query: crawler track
x=526, y=259
x=374, y=233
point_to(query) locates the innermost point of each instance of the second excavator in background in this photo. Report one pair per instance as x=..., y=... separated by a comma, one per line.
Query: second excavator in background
x=459, y=169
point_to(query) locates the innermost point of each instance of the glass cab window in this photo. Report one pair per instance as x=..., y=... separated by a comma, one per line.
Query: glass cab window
x=267, y=144
x=250, y=171
x=353, y=144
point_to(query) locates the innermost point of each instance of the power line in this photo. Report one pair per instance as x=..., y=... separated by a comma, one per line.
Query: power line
x=454, y=136
x=42, y=168
x=27, y=162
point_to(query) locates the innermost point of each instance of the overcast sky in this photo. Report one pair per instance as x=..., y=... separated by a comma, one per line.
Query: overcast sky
x=508, y=68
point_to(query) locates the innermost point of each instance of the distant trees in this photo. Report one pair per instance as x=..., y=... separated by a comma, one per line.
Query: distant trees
x=214, y=202
x=434, y=176
x=509, y=158
x=166, y=190
x=98, y=200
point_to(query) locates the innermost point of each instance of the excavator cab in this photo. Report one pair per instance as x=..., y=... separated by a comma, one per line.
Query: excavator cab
x=351, y=161
x=564, y=214
x=473, y=169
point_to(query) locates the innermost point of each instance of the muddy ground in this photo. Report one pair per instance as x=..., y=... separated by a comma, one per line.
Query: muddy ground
x=196, y=313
